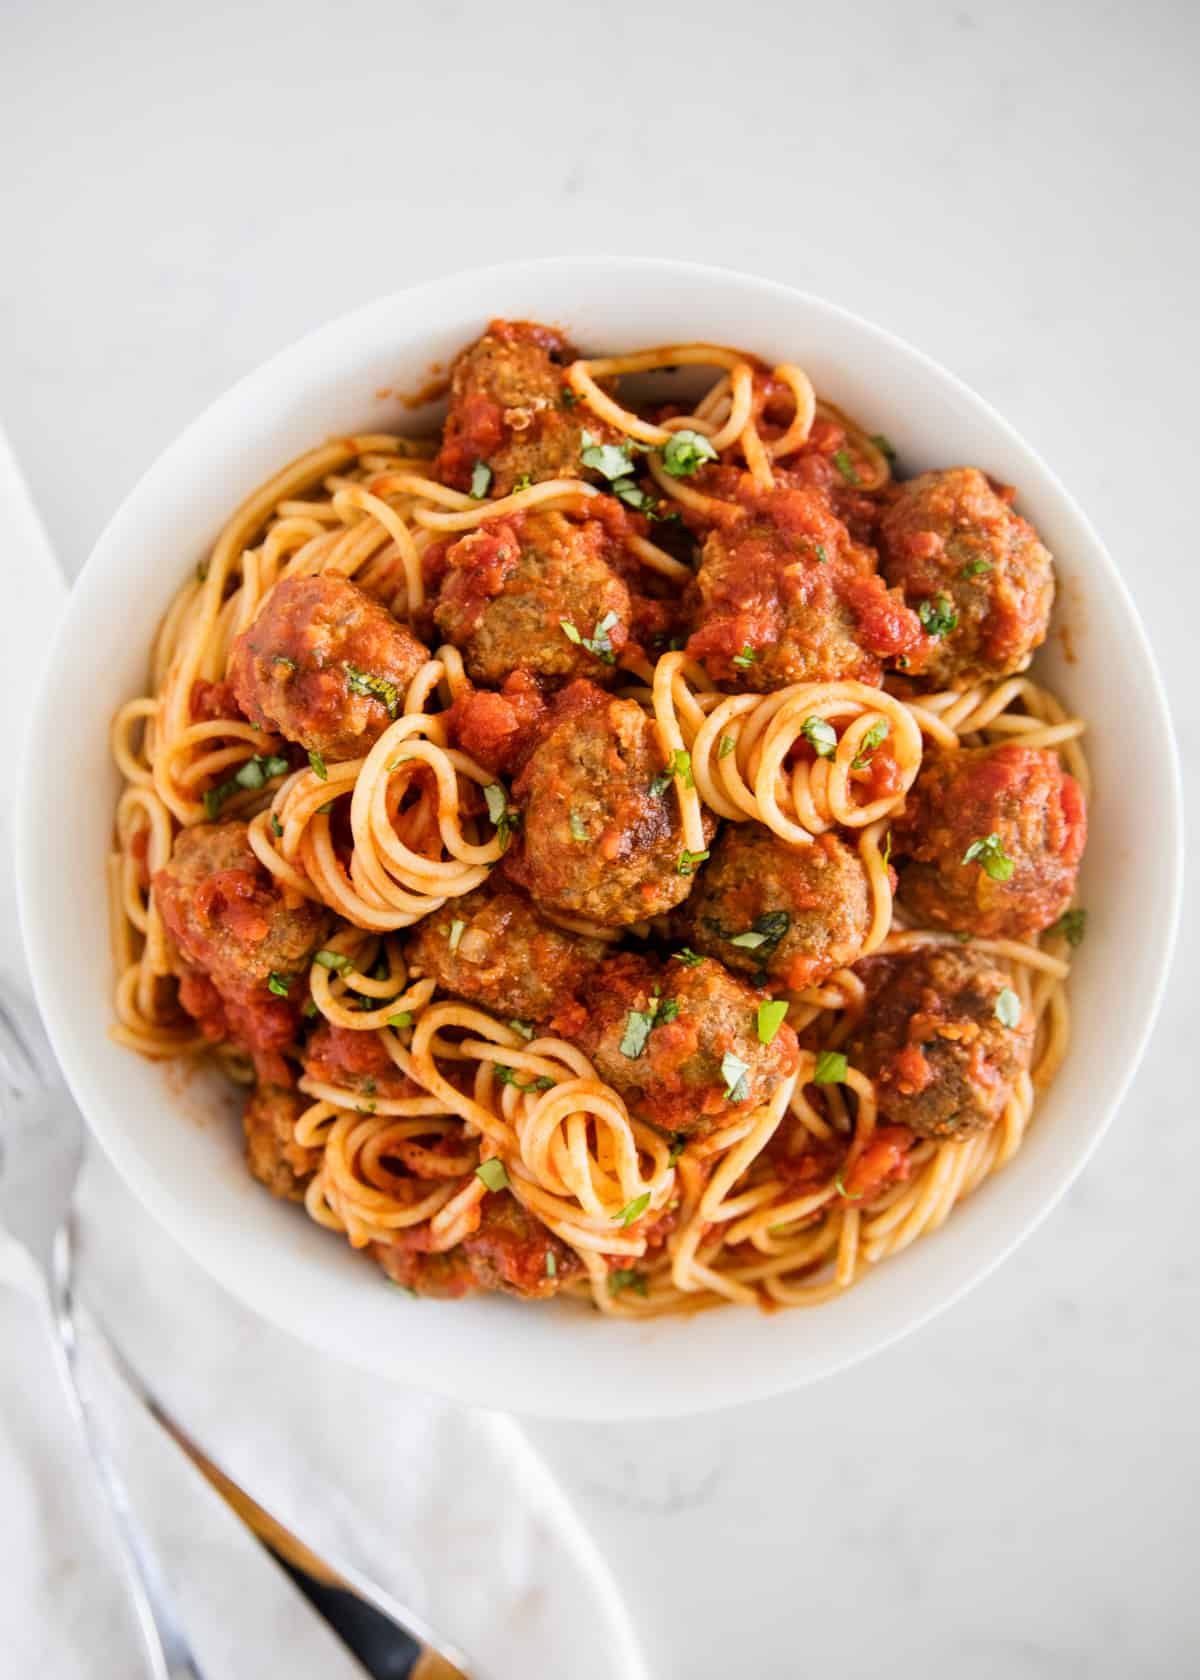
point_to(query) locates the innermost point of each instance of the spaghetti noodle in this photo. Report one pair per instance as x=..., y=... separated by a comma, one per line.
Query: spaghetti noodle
x=464, y=1131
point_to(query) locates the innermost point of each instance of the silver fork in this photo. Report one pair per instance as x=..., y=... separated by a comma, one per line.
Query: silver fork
x=41, y=1151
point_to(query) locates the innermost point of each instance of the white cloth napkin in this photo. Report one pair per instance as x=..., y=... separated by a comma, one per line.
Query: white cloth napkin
x=452, y=1511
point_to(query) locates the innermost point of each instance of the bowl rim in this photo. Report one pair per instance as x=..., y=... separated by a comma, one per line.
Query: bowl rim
x=164, y=1201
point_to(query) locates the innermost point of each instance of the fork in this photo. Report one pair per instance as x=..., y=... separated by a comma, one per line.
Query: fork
x=41, y=1151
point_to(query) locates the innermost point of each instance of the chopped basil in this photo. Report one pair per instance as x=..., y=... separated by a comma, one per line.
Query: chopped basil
x=819, y=550
x=283, y=659
x=963, y=938
x=688, y=861
x=887, y=850
x=878, y=732
x=254, y=774
x=276, y=826
x=678, y=1145
x=746, y=658
x=365, y=1108
x=508, y=1076
x=610, y=460
x=324, y=810
x=884, y=447
x=481, y=480
x=368, y=1086
x=733, y=1072
x=522, y=483
x=334, y=960
x=492, y=1173
x=763, y=934
x=551, y=1263
x=318, y=766
x=280, y=984
x=505, y=816
x=403, y=1019
x=1008, y=1008
x=578, y=831
x=457, y=930
x=569, y=398
x=688, y=957
x=522, y=1027
x=685, y=452
x=599, y=642
x=637, y=1030
x=635, y=1209
x=830, y=1069
x=373, y=688
x=626, y=1277
x=726, y=747
x=845, y=466
x=976, y=568
x=1072, y=925
x=310, y=1008
x=668, y=1009
x=748, y=941
x=681, y=766
x=820, y=735
x=938, y=615
x=629, y=491
x=771, y=1016
x=840, y=1186
x=991, y=857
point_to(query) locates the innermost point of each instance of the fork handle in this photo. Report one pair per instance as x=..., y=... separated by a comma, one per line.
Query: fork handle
x=168, y=1654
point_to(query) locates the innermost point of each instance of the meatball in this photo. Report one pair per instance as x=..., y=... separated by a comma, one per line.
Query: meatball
x=272, y=1153
x=787, y=597
x=680, y=1042
x=595, y=840
x=994, y=835
x=933, y=1040
x=512, y=410
x=355, y=1061
x=235, y=925
x=325, y=665
x=787, y=914
x=503, y=956
x=976, y=572
x=511, y=1251
x=513, y=585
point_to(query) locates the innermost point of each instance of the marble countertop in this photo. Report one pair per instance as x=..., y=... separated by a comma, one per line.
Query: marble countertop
x=1011, y=1492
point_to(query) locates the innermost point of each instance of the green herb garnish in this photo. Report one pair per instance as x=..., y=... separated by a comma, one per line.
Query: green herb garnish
x=1008, y=1008
x=845, y=466
x=334, y=960
x=1072, y=925
x=685, y=452
x=831, y=1068
x=318, y=766
x=492, y=1173
x=771, y=1016
x=373, y=688
x=733, y=1072
x=688, y=861
x=991, y=857
x=681, y=766
x=938, y=615
x=726, y=747
x=635, y=1209
x=481, y=480
x=688, y=957
x=746, y=658
x=878, y=732
x=280, y=984
x=820, y=735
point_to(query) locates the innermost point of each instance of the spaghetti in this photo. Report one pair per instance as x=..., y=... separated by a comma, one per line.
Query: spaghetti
x=464, y=1132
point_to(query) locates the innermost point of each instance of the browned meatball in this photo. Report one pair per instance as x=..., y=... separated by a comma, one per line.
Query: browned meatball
x=511, y=587
x=995, y=835
x=680, y=1042
x=325, y=665
x=595, y=841
x=511, y=1251
x=786, y=596
x=934, y=1039
x=493, y=948
x=232, y=922
x=272, y=1154
x=512, y=411
x=975, y=571
x=788, y=914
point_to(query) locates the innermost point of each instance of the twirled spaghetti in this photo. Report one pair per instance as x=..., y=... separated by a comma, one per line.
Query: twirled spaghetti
x=366, y=880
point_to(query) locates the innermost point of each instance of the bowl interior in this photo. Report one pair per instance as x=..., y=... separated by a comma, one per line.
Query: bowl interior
x=172, y=1135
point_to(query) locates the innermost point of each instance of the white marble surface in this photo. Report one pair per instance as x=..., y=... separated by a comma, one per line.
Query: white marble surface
x=1012, y=1492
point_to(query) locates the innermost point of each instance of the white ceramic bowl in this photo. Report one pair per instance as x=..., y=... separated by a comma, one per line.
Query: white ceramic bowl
x=163, y=1135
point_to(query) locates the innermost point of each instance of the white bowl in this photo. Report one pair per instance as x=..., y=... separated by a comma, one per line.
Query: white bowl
x=493, y=1351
